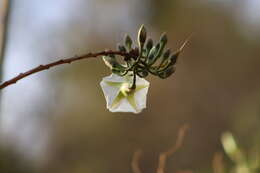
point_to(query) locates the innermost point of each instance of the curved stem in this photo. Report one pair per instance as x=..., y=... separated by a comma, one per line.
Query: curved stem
x=59, y=62
x=134, y=79
x=135, y=65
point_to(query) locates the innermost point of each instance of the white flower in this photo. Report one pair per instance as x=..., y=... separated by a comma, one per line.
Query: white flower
x=119, y=96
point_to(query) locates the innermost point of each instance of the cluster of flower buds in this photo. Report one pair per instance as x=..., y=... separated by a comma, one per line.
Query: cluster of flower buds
x=146, y=58
x=125, y=89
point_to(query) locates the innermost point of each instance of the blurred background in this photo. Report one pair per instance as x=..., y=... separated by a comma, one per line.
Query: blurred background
x=57, y=121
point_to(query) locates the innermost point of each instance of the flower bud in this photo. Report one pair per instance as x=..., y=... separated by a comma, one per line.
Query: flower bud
x=164, y=38
x=153, y=54
x=166, y=54
x=174, y=58
x=142, y=35
x=163, y=42
x=128, y=42
x=117, y=71
x=167, y=72
x=165, y=58
x=149, y=45
x=121, y=48
x=110, y=61
x=141, y=72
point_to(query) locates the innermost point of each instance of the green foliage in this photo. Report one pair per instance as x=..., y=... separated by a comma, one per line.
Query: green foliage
x=243, y=163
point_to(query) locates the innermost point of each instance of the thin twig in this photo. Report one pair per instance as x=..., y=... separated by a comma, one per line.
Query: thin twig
x=135, y=161
x=59, y=62
x=4, y=16
x=217, y=163
x=164, y=155
x=185, y=171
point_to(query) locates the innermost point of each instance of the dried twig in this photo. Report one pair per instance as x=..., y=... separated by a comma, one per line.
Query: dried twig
x=217, y=163
x=4, y=16
x=185, y=171
x=59, y=62
x=136, y=161
x=164, y=155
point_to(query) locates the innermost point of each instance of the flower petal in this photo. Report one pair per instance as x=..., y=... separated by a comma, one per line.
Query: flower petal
x=118, y=102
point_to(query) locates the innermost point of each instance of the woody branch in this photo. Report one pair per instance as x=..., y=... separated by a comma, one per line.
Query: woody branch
x=60, y=62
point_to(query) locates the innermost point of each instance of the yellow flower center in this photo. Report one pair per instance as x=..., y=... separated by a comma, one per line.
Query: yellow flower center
x=125, y=89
